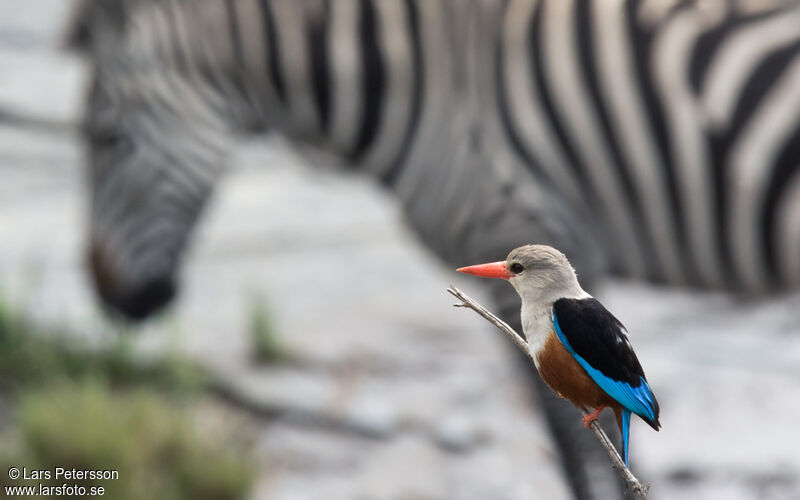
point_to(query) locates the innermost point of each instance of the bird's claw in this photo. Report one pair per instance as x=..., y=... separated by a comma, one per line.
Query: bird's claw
x=588, y=419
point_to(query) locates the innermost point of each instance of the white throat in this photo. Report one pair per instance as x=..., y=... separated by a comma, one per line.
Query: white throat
x=537, y=315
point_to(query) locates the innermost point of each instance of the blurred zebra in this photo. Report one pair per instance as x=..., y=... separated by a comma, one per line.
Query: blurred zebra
x=658, y=139
x=389, y=87
x=655, y=139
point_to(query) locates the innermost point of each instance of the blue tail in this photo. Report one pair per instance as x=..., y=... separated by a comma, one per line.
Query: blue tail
x=626, y=430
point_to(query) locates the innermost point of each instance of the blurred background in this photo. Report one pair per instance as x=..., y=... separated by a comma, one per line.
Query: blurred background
x=313, y=352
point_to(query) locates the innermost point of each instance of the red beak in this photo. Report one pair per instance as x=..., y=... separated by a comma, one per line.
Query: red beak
x=491, y=270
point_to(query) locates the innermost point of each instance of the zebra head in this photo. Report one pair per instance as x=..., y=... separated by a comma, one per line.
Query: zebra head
x=149, y=178
x=153, y=160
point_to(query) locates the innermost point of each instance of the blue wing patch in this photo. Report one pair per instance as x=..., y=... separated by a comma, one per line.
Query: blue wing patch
x=639, y=400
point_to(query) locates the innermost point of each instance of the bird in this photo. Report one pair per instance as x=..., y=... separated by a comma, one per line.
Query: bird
x=580, y=349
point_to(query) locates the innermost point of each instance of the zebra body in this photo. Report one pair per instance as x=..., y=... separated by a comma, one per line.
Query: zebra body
x=679, y=119
x=664, y=131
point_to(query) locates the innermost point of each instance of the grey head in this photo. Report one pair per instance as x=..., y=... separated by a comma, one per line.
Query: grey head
x=539, y=273
x=542, y=274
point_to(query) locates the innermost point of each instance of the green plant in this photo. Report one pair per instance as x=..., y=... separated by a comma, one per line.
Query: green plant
x=91, y=407
x=158, y=450
x=267, y=347
x=31, y=356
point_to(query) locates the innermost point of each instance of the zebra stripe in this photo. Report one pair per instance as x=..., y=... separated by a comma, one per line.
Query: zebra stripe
x=537, y=144
x=738, y=58
x=788, y=231
x=574, y=109
x=672, y=49
x=346, y=70
x=295, y=65
x=668, y=124
x=395, y=47
x=763, y=135
x=614, y=58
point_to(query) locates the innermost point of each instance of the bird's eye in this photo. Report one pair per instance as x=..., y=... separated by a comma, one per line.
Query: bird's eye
x=516, y=268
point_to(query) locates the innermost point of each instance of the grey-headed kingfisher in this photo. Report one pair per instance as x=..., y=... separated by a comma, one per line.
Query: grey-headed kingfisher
x=580, y=349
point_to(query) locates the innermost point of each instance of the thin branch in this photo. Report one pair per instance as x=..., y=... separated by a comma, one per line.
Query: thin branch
x=640, y=490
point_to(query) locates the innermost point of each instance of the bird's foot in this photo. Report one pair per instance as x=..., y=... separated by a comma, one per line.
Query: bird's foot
x=588, y=419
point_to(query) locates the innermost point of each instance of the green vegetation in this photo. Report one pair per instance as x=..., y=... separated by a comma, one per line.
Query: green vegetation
x=30, y=356
x=90, y=408
x=267, y=348
x=156, y=447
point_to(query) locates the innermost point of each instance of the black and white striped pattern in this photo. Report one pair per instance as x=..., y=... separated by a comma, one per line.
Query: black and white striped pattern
x=677, y=120
x=665, y=130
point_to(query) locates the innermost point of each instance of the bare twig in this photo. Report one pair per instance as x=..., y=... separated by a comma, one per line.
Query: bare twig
x=640, y=490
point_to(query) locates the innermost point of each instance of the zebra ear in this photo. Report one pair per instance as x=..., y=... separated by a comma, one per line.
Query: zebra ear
x=89, y=15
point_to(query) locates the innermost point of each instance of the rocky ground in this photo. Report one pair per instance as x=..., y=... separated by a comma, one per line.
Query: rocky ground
x=426, y=401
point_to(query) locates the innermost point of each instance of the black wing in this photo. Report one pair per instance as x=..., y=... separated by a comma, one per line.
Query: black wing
x=599, y=343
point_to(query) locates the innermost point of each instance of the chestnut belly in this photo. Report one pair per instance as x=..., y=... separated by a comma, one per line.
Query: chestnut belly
x=568, y=378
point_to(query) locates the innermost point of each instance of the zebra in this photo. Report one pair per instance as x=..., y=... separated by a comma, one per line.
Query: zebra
x=650, y=139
